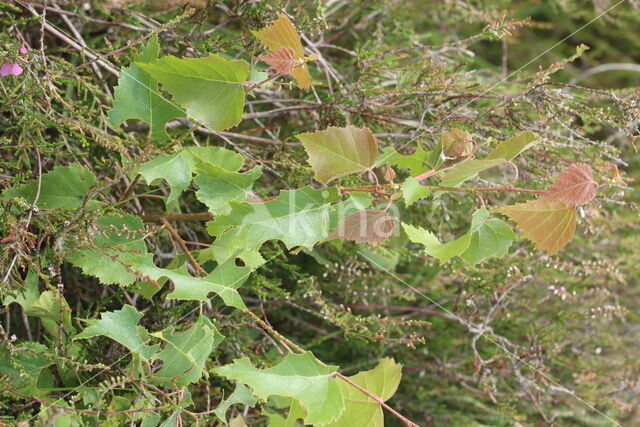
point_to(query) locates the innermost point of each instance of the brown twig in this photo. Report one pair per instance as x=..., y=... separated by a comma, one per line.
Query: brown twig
x=197, y=216
x=183, y=245
x=275, y=333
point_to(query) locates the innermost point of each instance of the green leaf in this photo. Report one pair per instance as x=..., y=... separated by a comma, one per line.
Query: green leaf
x=218, y=186
x=121, y=326
x=121, y=257
x=65, y=187
x=466, y=170
x=299, y=376
x=29, y=295
x=240, y=395
x=360, y=409
x=185, y=354
x=210, y=89
x=112, y=247
x=22, y=368
x=224, y=280
x=297, y=217
x=492, y=240
x=337, y=152
x=513, y=146
x=216, y=171
x=445, y=251
x=137, y=96
x=412, y=190
x=174, y=169
x=51, y=308
x=419, y=162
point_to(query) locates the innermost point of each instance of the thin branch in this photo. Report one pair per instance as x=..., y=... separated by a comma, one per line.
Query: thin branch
x=183, y=245
x=197, y=216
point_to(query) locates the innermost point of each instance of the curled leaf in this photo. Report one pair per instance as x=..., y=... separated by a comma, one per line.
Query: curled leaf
x=549, y=225
x=457, y=143
x=575, y=186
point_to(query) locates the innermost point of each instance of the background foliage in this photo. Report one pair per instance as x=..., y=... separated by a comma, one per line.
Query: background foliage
x=523, y=339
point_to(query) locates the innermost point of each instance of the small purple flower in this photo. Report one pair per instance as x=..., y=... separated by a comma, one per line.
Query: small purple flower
x=23, y=50
x=13, y=69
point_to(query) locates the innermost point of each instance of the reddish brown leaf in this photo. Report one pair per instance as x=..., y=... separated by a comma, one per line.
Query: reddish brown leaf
x=366, y=226
x=575, y=185
x=283, y=60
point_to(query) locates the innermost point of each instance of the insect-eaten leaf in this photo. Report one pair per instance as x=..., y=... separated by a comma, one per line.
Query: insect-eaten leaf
x=122, y=326
x=366, y=226
x=210, y=89
x=412, y=190
x=549, y=225
x=486, y=238
x=337, y=152
x=299, y=376
x=282, y=34
x=137, y=96
x=282, y=60
x=575, y=186
x=419, y=162
x=445, y=251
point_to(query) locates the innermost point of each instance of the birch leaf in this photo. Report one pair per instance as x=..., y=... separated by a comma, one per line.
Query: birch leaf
x=281, y=34
x=185, y=353
x=418, y=162
x=297, y=217
x=122, y=326
x=574, y=186
x=445, y=251
x=467, y=170
x=549, y=225
x=383, y=381
x=412, y=190
x=513, y=146
x=337, y=152
x=299, y=376
x=137, y=96
x=282, y=60
x=492, y=240
x=210, y=89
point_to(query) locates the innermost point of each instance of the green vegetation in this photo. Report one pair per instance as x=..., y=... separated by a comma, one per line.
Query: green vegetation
x=321, y=213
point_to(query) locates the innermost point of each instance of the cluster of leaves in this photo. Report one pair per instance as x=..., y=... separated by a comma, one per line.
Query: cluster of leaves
x=80, y=215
